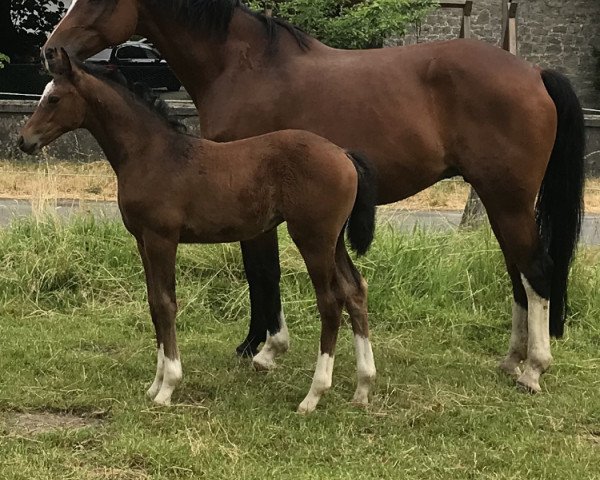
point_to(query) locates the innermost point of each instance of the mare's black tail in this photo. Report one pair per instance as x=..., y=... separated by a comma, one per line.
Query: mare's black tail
x=361, y=224
x=559, y=206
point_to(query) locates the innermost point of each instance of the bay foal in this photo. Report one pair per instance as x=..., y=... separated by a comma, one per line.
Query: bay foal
x=174, y=188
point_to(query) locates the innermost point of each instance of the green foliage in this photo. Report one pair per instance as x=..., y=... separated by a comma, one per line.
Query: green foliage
x=25, y=25
x=37, y=17
x=350, y=23
x=3, y=59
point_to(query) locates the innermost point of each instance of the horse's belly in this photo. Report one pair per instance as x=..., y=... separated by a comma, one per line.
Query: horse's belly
x=226, y=232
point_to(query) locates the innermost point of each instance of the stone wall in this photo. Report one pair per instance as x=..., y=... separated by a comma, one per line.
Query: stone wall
x=559, y=34
x=81, y=146
x=77, y=146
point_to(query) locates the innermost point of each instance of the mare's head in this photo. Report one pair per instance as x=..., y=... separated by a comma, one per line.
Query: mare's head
x=61, y=108
x=92, y=25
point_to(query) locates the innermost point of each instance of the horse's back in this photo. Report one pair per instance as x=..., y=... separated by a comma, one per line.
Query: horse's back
x=412, y=110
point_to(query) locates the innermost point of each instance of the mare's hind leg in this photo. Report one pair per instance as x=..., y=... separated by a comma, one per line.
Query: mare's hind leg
x=517, y=349
x=355, y=289
x=517, y=232
x=537, y=286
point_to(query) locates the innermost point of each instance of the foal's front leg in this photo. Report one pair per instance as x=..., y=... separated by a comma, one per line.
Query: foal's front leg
x=160, y=354
x=158, y=256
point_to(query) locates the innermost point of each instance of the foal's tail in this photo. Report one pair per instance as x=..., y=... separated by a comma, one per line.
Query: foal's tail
x=361, y=224
x=559, y=206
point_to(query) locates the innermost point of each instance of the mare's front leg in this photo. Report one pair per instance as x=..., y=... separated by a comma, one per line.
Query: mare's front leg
x=267, y=324
x=158, y=256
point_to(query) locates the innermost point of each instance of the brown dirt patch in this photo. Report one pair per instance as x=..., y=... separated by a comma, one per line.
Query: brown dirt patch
x=31, y=424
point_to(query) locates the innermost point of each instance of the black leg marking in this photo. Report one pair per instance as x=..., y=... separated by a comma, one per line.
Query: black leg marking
x=261, y=264
x=539, y=274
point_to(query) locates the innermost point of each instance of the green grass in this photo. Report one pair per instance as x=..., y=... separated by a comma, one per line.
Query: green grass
x=76, y=337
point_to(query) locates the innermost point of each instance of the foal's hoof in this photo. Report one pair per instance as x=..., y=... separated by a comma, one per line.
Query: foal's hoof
x=528, y=383
x=360, y=399
x=307, y=406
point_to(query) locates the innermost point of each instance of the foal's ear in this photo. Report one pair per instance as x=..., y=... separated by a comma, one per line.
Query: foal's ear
x=58, y=62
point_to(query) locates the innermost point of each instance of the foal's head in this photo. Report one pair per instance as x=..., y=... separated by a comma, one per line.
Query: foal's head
x=61, y=109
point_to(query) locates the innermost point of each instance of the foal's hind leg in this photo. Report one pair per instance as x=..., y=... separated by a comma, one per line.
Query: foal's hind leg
x=320, y=263
x=355, y=289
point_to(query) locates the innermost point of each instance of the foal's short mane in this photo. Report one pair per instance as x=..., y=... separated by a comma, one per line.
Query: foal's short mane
x=214, y=17
x=140, y=91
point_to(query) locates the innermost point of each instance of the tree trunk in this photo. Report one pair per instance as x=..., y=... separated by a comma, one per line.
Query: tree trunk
x=474, y=212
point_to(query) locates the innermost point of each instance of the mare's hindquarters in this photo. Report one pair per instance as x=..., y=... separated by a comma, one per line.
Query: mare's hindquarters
x=541, y=155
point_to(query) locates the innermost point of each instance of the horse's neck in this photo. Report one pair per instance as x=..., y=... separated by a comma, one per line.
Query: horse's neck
x=123, y=128
x=199, y=59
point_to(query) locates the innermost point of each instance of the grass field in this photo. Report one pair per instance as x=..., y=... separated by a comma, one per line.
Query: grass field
x=78, y=353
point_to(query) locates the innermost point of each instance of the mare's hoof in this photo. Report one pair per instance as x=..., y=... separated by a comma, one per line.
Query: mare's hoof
x=263, y=362
x=246, y=349
x=152, y=392
x=510, y=368
x=162, y=401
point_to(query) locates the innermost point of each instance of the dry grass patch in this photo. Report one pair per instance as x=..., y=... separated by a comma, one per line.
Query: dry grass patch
x=52, y=180
x=31, y=424
x=96, y=181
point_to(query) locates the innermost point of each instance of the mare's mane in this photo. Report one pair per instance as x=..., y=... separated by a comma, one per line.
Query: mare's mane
x=140, y=92
x=214, y=17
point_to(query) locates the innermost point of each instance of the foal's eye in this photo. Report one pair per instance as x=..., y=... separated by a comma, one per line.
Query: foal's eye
x=53, y=99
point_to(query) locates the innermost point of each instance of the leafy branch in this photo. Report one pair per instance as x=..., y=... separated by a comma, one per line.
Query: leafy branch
x=350, y=23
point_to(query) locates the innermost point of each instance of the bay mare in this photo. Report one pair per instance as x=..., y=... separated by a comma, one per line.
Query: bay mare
x=421, y=113
x=174, y=188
